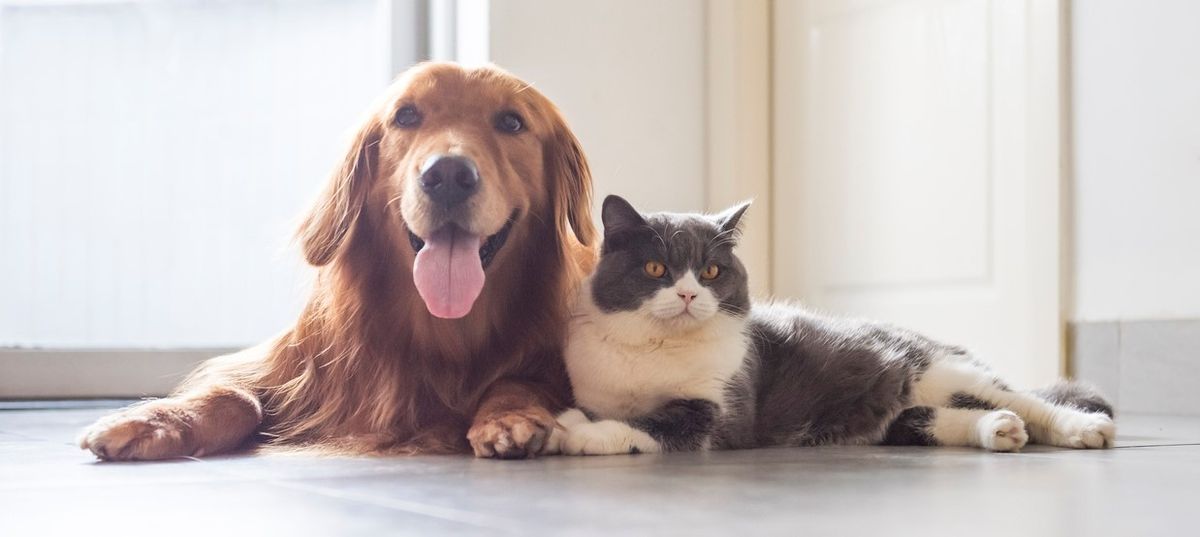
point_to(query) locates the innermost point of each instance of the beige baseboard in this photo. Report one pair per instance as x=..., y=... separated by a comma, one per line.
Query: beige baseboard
x=1149, y=366
x=116, y=373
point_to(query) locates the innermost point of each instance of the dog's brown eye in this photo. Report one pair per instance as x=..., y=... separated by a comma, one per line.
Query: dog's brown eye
x=655, y=269
x=509, y=122
x=408, y=117
x=710, y=272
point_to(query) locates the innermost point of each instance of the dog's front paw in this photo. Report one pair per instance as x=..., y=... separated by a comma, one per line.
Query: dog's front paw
x=607, y=437
x=512, y=434
x=138, y=433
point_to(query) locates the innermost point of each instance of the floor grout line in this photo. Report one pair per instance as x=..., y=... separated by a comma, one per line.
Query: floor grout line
x=1158, y=446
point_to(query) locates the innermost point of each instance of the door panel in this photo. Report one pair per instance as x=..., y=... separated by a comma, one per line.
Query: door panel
x=910, y=185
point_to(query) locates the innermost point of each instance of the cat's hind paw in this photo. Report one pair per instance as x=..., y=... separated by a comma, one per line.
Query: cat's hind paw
x=1086, y=431
x=1002, y=430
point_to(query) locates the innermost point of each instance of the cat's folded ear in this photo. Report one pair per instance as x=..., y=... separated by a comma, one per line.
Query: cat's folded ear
x=730, y=220
x=619, y=216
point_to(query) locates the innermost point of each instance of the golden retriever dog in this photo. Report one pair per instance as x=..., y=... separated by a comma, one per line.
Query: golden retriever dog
x=448, y=243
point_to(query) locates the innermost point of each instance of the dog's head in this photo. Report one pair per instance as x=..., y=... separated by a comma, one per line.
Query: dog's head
x=458, y=160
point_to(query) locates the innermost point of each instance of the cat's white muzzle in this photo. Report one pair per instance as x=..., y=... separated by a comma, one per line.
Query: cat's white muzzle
x=683, y=305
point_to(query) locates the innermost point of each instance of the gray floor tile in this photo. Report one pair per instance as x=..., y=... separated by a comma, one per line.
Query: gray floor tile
x=71, y=404
x=61, y=426
x=208, y=509
x=49, y=487
x=815, y=491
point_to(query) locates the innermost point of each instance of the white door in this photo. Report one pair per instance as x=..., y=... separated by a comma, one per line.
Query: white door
x=917, y=174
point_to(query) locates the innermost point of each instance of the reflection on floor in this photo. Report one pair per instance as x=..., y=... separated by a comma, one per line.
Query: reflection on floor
x=1149, y=485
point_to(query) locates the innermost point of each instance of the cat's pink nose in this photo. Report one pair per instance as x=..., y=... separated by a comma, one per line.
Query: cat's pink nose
x=687, y=297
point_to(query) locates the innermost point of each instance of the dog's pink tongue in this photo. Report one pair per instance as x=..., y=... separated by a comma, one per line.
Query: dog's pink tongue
x=448, y=272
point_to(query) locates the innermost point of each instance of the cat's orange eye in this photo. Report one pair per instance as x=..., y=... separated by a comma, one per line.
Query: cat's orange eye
x=655, y=269
x=711, y=272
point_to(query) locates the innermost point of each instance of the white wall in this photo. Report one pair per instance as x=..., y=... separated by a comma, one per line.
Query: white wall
x=669, y=98
x=630, y=77
x=154, y=157
x=1137, y=159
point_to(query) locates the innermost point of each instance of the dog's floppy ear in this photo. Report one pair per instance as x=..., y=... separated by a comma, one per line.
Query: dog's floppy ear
x=568, y=168
x=328, y=223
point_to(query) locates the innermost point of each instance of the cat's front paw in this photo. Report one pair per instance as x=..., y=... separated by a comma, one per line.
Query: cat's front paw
x=1085, y=431
x=569, y=418
x=607, y=437
x=1002, y=430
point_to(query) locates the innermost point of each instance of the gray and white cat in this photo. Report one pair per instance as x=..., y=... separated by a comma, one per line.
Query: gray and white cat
x=666, y=352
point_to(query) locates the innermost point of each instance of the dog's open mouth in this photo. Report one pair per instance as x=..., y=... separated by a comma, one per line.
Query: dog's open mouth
x=449, y=269
x=487, y=252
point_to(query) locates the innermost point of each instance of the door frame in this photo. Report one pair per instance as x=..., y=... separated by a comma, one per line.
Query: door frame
x=738, y=120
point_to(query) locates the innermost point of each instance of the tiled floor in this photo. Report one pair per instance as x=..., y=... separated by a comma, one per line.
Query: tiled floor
x=1150, y=485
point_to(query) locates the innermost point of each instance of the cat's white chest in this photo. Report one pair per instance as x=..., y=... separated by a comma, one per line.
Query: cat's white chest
x=620, y=371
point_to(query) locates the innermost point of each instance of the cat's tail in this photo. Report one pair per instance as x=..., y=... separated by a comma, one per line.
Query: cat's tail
x=1076, y=394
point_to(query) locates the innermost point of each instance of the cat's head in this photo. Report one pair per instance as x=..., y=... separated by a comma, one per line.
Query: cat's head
x=676, y=270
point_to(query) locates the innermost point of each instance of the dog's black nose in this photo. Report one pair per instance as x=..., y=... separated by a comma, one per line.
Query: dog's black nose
x=449, y=179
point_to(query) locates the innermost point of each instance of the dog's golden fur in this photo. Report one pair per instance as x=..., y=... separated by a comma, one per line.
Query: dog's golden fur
x=366, y=368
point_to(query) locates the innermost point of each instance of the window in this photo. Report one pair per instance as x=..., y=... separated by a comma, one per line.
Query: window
x=154, y=157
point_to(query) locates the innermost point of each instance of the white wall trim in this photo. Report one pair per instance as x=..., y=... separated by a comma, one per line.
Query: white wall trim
x=1067, y=261
x=442, y=22
x=1047, y=161
x=472, y=33
x=406, y=29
